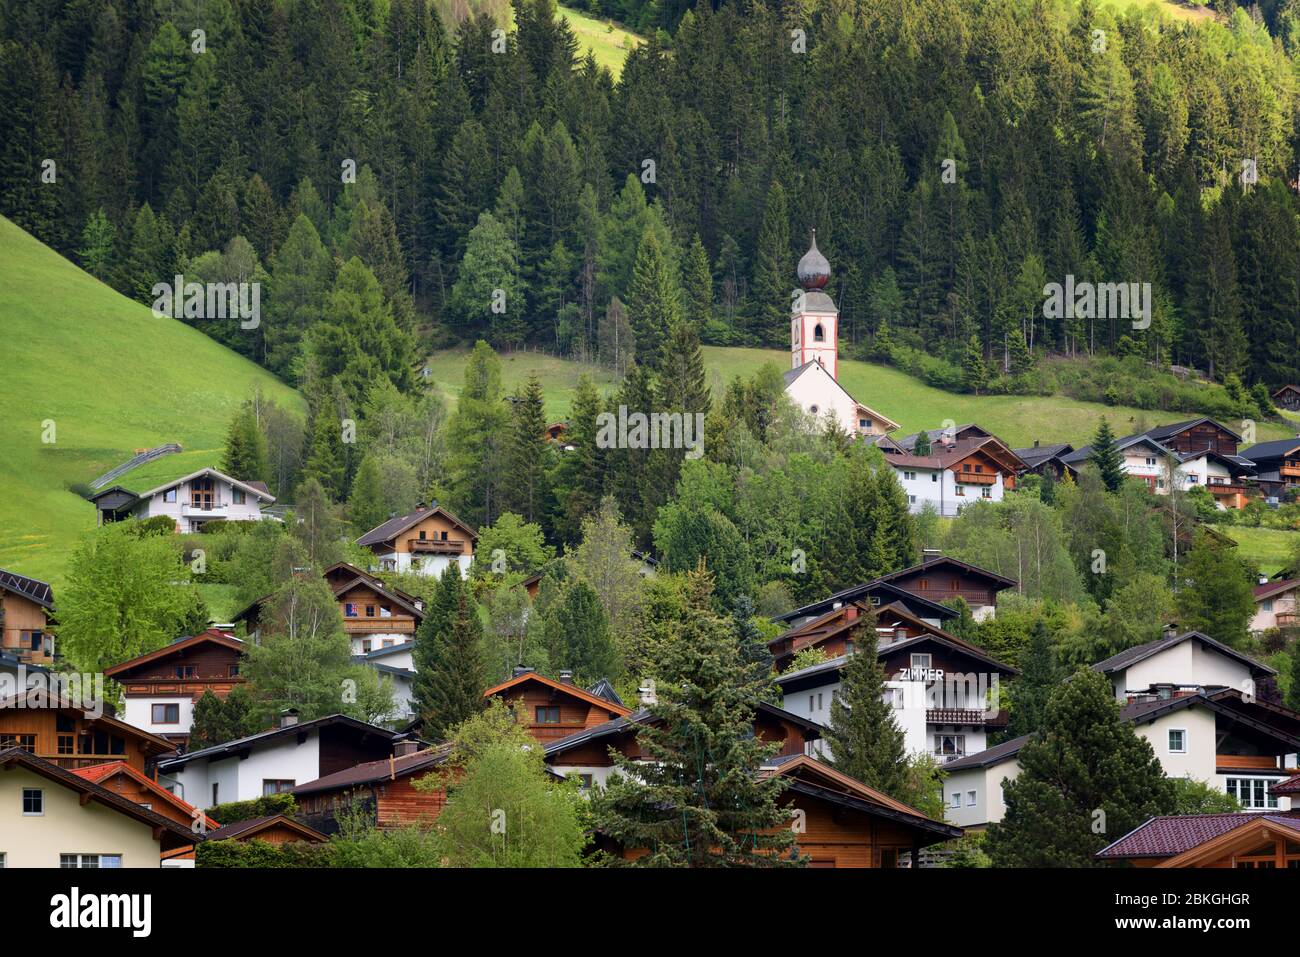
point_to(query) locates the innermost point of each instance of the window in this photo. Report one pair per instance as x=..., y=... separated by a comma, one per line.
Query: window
x=934, y=476
x=812, y=409
x=84, y=861
x=33, y=802
x=894, y=698
x=215, y=788
x=950, y=745
x=421, y=534
x=25, y=741
x=167, y=714
x=232, y=671
x=237, y=496
x=370, y=611
x=889, y=858
x=67, y=744
x=1151, y=462
x=1253, y=792
x=547, y=715
x=1266, y=606
x=909, y=476
x=961, y=490
x=365, y=646
x=911, y=500
x=986, y=492
x=276, y=785
x=819, y=334
x=979, y=468
x=864, y=423
x=970, y=798
x=2, y=860
x=1177, y=741
x=584, y=782
x=956, y=800
x=186, y=671
x=169, y=495
x=965, y=466
x=923, y=584
x=921, y=661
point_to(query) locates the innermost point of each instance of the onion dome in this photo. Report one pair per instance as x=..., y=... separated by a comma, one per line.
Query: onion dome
x=814, y=270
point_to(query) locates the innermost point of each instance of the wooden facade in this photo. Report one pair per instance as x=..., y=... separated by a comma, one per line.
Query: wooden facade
x=122, y=779
x=1197, y=435
x=25, y=605
x=209, y=661
x=1288, y=397
x=370, y=611
x=942, y=579
x=554, y=709
x=383, y=792
x=70, y=737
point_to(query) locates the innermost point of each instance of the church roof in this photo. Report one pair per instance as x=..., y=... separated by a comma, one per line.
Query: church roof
x=814, y=270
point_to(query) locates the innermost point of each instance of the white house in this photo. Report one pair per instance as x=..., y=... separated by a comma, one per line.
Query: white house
x=972, y=787
x=398, y=665
x=274, y=761
x=1190, y=661
x=191, y=501
x=812, y=381
x=427, y=541
x=955, y=473
x=50, y=817
x=1277, y=605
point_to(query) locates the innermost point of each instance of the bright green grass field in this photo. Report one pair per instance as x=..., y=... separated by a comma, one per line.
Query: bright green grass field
x=111, y=378
x=1018, y=420
x=1271, y=548
x=608, y=42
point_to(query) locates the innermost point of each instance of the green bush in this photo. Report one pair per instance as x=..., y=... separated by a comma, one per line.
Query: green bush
x=235, y=811
x=262, y=854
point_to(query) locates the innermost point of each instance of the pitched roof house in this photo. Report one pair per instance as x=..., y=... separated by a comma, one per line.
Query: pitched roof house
x=193, y=500
x=274, y=761
x=1044, y=459
x=1211, y=841
x=72, y=735
x=426, y=540
x=1176, y=662
x=1277, y=465
x=272, y=828
x=161, y=687
x=555, y=709
x=120, y=778
x=381, y=791
x=956, y=472
x=55, y=818
x=1288, y=397
x=1277, y=605
x=26, y=605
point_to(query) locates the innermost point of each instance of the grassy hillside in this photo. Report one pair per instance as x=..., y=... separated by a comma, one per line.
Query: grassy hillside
x=607, y=41
x=112, y=379
x=1017, y=419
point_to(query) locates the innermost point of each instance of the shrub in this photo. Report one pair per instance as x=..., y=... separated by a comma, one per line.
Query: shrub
x=233, y=812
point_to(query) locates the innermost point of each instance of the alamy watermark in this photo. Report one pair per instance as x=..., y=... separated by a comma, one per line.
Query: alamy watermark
x=1104, y=300
x=656, y=430
x=212, y=300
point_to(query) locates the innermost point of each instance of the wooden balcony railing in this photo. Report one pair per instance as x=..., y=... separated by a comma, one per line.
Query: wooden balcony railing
x=1247, y=762
x=975, y=478
x=449, y=546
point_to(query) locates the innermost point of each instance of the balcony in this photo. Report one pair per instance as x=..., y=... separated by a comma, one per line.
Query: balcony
x=191, y=510
x=975, y=478
x=433, y=546
x=1247, y=762
x=1287, y=619
x=967, y=716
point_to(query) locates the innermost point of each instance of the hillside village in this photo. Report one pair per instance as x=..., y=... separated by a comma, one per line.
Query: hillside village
x=722, y=435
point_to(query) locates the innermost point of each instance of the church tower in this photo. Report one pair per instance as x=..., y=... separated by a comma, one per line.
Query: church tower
x=814, y=320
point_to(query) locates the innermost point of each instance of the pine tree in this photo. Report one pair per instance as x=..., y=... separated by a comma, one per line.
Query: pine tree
x=1085, y=779
x=576, y=632
x=774, y=273
x=654, y=299
x=1215, y=592
x=580, y=477
x=96, y=252
x=1106, y=458
x=922, y=446
x=246, y=452
x=698, y=801
x=451, y=688
x=367, y=503
x=326, y=459
x=1039, y=676
x=864, y=738
x=529, y=492
x=697, y=283
x=974, y=373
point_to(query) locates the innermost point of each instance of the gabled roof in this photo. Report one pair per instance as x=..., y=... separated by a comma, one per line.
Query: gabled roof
x=791, y=375
x=1270, y=589
x=1036, y=455
x=998, y=581
x=1081, y=454
x=253, y=488
x=1175, y=835
x=367, y=582
x=1276, y=449
x=369, y=576
x=99, y=773
x=1162, y=432
x=386, y=769
x=1216, y=701
x=854, y=592
x=943, y=456
x=818, y=779
x=37, y=699
x=642, y=716
x=210, y=637
x=1290, y=786
x=958, y=432
x=573, y=691
x=395, y=526
x=30, y=588
x=249, y=829
x=1131, y=656
x=1287, y=388
x=603, y=689
x=390, y=650
x=1006, y=751
x=220, y=751
x=179, y=835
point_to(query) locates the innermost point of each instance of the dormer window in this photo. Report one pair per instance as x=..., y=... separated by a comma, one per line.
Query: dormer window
x=819, y=334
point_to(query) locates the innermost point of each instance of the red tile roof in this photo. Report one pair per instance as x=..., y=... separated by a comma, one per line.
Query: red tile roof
x=1167, y=836
x=1274, y=588
x=1290, y=786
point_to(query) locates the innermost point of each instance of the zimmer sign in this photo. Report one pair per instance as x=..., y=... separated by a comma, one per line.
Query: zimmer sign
x=950, y=689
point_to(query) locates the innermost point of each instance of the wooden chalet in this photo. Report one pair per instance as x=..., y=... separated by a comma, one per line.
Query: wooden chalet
x=1240, y=841
x=381, y=791
x=70, y=736
x=426, y=540
x=956, y=472
x=1196, y=435
x=26, y=605
x=555, y=709
x=1048, y=459
x=272, y=828
x=940, y=579
x=160, y=687
x=878, y=594
x=1277, y=465
x=1288, y=397
x=120, y=778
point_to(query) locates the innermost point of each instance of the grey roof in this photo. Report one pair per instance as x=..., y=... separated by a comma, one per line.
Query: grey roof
x=1271, y=450
x=1131, y=656
x=218, y=751
x=1081, y=454
x=908, y=442
x=853, y=592
x=603, y=689
x=791, y=374
x=30, y=588
x=395, y=526
x=1036, y=455
x=390, y=650
x=1005, y=751
x=1173, y=428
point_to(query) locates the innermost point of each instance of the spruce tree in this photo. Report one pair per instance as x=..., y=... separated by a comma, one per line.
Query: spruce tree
x=1039, y=676
x=864, y=738
x=974, y=373
x=96, y=251
x=246, y=452
x=326, y=459
x=699, y=800
x=450, y=689
x=367, y=503
x=529, y=492
x=1215, y=596
x=576, y=632
x=774, y=273
x=697, y=283
x=653, y=299
x=1086, y=779
x=1106, y=458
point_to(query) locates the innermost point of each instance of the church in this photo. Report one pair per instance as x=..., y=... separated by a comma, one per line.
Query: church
x=812, y=381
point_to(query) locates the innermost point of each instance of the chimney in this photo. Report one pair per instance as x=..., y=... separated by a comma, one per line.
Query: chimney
x=1035, y=443
x=1263, y=579
x=566, y=677
x=288, y=717
x=851, y=613
x=646, y=693
x=521, y=670
x=930, y=553
x=420, y=506
x=407, y=746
